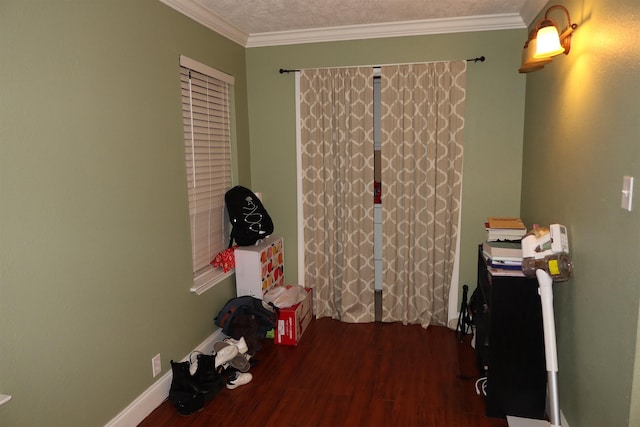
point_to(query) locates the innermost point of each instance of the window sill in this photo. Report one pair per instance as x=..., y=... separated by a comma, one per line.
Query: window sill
x=208, y=279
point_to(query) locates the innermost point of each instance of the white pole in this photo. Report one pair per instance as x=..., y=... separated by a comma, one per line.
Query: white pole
x=550, y=348
x=545, y=290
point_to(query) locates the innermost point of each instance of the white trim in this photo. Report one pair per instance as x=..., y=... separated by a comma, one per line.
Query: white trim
x=194, y=65
x=153, y=397
x=299, y=199
x=454, y=287
x=505, y=21
x=209, y=19
x=204, y=282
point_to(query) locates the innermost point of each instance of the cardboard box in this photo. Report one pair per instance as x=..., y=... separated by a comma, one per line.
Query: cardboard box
x=293, y=321
x=259, y=267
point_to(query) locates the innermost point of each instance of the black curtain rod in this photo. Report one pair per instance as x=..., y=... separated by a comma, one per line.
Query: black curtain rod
x=283, y=70
x=478, y=59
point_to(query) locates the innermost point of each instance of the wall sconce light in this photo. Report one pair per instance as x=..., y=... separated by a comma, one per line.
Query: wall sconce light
x=546, y=41
x=529, y=61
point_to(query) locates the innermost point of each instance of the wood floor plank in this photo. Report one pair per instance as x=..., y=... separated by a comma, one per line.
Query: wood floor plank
x=352, y=375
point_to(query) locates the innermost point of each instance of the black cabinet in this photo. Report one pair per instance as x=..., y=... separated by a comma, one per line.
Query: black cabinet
x=510, y=344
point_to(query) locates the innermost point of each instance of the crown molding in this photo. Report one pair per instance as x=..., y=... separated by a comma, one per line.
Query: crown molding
x=202, y=15
x=209, y=19
x=531, y=9
x=394, y=29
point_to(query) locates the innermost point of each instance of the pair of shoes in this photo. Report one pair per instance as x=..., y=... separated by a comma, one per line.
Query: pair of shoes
x=224, y=353
x=240, y=363
x=241, y=344
x=189, y=392
x=237, y=379
x=232, y=351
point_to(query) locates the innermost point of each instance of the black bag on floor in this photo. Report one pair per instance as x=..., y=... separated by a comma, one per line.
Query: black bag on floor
x=247, y=317
x=249, y=219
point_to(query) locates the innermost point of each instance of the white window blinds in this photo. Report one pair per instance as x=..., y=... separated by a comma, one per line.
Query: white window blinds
x=207, y=146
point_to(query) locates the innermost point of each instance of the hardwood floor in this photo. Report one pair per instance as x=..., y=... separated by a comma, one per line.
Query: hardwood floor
x=344, y=375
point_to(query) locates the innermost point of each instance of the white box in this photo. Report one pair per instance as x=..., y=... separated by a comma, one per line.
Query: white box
x=259, y=267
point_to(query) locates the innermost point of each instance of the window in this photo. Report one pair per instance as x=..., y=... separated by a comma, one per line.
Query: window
x=207, y=145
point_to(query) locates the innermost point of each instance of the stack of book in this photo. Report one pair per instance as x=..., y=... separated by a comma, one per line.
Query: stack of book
x=505, y=229
x=502, y=250
x=503, y=258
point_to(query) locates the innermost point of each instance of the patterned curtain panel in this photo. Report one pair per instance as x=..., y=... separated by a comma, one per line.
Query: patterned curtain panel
x=336, y=107
x=422, y=132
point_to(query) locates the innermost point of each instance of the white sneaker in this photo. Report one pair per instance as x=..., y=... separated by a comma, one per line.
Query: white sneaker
x=193, y=367
x=193, y=364
x=238, y=379
x=225, y=354
x=241, y=344
x=240, y=363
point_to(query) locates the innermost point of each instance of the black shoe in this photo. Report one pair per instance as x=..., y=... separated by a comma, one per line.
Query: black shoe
x=207, y=376
x=182, y=379
x=185, y=392
x=186, y=403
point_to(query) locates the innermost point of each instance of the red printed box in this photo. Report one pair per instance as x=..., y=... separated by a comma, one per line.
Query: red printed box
x=293, y=321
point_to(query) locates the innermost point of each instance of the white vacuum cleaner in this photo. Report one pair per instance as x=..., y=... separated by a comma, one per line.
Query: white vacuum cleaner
x=545, y=253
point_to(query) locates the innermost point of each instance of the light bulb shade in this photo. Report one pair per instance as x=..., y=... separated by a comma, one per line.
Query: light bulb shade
x=529, y=63
x=548, y=43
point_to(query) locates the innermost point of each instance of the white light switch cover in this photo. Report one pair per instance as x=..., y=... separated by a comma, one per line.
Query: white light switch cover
x=627, y=192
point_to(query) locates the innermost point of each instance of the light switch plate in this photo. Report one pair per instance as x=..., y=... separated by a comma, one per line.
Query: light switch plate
x=156, y=365
x=627, y=192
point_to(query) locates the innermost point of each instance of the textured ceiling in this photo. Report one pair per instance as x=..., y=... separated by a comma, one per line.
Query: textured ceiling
x=267, y=16
x=253, y=23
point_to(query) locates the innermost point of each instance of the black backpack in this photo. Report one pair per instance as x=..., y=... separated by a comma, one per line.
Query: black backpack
x=249, y=219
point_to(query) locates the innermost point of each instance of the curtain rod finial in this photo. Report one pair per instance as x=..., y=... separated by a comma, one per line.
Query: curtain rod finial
x=284, y=70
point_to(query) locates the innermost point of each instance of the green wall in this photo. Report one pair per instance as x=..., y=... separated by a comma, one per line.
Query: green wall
x=582, y=135
x=95, y=263
x=493, y=127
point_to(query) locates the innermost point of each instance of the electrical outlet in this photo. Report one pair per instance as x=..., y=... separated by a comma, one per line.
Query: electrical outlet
x=156, y=365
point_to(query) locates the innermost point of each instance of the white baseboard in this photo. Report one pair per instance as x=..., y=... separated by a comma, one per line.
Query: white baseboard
x=153, y=397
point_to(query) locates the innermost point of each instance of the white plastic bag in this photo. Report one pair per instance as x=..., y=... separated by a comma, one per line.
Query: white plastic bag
x=285, y=296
